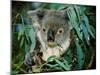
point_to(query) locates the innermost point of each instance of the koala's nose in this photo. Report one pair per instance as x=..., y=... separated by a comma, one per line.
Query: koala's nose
x=50, y=36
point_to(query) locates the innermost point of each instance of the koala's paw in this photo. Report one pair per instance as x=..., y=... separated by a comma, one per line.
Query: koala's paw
x=29, y=59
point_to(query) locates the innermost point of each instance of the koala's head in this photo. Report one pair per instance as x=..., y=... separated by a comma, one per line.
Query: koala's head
x=53, y=25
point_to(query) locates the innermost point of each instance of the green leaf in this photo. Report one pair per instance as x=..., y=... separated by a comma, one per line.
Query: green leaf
x=85, y=18
x=73, y=19
x=51, y=58
x=27, y=29
x=21, y=32
x=77, y=12
x=93, y=30
x=52, y=66
x=80, y=55
x=68, y=56
x=62, y=65
x=32, y=38
x=85, y=32
x=67, y=65
x=20, y=63
x=22, y=42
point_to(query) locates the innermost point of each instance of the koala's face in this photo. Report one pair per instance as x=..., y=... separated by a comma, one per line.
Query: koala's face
x=54, y=27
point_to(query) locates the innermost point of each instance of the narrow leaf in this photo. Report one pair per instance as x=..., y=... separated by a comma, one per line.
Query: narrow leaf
x=61, y=64
x=85, y=18
x=85, y=32
x=32, y=37
x=80, y=55
x=22, y=42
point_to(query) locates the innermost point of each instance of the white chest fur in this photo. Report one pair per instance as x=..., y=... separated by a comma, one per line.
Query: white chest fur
x=56, y=51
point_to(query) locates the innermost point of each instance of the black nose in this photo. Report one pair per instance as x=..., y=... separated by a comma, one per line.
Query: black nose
x=50, y=36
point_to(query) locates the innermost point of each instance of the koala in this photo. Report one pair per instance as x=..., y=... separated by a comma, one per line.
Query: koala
x=52, y=29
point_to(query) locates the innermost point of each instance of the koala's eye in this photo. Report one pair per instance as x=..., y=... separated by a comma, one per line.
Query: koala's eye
x=60, y=30
x=44, y=30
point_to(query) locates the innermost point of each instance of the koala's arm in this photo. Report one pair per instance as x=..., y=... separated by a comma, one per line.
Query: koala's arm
x=33, y=57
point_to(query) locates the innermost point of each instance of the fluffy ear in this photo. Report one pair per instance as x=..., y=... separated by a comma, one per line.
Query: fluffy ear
x=38, y=12
x=36, y=16
x=64, y=13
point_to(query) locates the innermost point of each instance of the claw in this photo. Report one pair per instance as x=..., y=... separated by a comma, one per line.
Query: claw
x=29, y=59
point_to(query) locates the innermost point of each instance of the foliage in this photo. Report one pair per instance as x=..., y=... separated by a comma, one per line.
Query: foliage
x=79, y=57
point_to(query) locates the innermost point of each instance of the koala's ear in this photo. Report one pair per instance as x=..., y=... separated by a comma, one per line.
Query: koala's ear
x=64, y=13
x=38, y=12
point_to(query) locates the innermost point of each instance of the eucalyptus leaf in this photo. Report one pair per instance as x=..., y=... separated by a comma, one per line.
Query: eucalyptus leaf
x=85, y=18
x=85, y=32
x=22, y=42
x=21, y=32
x=77, y=10
x=67, y=65
x=51, y=58
x=68, y=56
x=62, y=65
x=80, y=55
x=93, y=30
x=32, y=38
x=52, y=66
x=73, y=19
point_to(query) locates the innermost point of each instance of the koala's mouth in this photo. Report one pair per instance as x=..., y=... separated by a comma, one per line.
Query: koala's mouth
x=52, y=44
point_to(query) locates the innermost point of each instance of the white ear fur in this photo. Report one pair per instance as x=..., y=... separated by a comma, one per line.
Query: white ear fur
x=70, y=25
x=33, y=12
x=33, y=15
